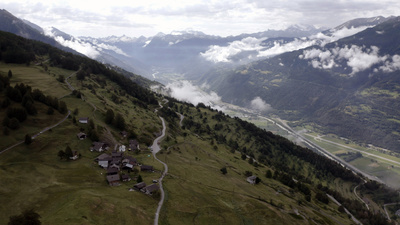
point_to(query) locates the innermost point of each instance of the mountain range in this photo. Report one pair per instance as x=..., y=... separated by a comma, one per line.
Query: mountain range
x=349, y=87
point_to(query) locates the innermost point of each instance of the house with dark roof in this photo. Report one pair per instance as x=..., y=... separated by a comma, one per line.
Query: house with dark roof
x=130, y=160
x=113, y=180
x=150, y=189
x=133, y=145
x=146, y=168
x=98, y=147
x=139, y=186
x=112, y=171
x=103, y=156
x=125, y=177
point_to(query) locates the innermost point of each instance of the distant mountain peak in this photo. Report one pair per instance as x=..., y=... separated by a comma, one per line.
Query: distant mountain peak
x=359, y=22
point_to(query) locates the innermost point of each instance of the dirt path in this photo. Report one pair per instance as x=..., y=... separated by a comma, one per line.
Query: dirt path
x=41, y=132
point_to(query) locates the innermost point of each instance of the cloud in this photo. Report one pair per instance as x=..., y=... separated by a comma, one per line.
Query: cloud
x=186, y=91
x=217, y=53
x=91, y=50
x=259, y=105
x=223, y=17
x=280, y=48
x=82, y=47
x=391, y=65
x=255, y=49
x=356, y=57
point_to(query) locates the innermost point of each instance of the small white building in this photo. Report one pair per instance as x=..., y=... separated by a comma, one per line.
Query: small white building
x=84, y=120
x=122, y=148
x=252, y=179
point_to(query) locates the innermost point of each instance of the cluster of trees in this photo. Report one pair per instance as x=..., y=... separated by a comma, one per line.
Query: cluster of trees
x=23, y=94
x=117, y=120
x=27, y=217
x=67, y=154
x=356, y=208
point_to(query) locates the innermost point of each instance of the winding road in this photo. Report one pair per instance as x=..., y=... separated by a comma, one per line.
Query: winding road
x=155, y=148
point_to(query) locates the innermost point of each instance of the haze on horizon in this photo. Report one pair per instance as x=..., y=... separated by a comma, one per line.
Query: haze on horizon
x=222, y=17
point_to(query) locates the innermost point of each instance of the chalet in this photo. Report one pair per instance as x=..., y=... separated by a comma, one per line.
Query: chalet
x=114, y=165
x=84, y=120
x=130, y=160
x=127, y=166
x=103, y=163
x=146, y=168
x=125, y=177
x=112, y=171
x=103, y=160
x=113, y=180
x=103, y=156
x=98, y=147
x=133, y=145
x=139, y=186
x=81, y=136
x=150, y=189
x=118, y=155
x=74, y=156
x=252, y=179
x=115, y=161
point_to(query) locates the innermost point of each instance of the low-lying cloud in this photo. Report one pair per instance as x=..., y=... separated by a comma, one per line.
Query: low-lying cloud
x=259, y=105
x=187, y=92
x=217, y=53
x=359, y=58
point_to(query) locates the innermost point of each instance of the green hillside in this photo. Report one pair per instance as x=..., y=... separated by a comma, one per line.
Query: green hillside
x=209, y=157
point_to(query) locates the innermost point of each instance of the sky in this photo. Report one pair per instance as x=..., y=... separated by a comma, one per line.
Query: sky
x=134, y=18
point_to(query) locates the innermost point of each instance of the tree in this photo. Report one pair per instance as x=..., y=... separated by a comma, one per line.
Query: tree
x=139, y=179
x=14, y=124
x=251, y=161
x=9, y=74
x=50, y=111
x=268, y=174
x=80, y=75
x=223, y=170
x=76, y=111
x=61, y=78
x=6, y=131
x=109, y=116
x=61, y=154
x=27, y=217
x=62, y=107
x=120, y=122
x=28, y=139
x=68, y=152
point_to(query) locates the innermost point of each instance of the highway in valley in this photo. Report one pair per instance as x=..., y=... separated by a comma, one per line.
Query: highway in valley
x=321, y=150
